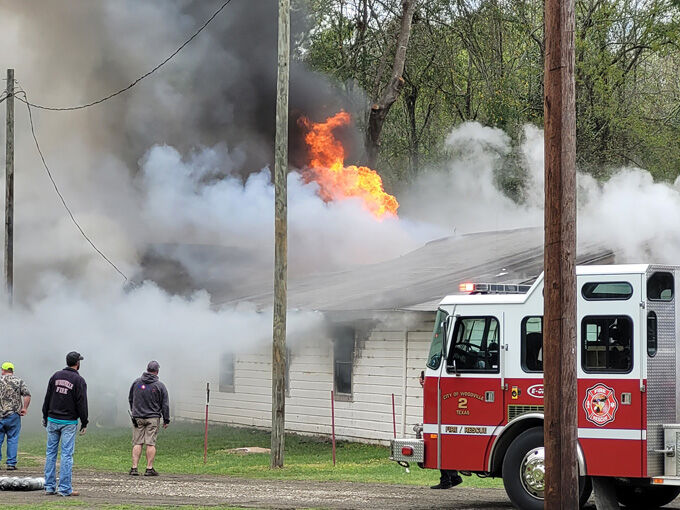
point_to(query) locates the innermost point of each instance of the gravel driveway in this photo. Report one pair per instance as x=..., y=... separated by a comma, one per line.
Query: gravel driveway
x=104, y=487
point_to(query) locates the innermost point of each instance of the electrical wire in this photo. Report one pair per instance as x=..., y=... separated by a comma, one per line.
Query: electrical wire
x=56, y=188
x=145, y=75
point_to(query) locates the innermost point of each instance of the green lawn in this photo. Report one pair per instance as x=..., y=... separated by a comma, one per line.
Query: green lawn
x=180, y=450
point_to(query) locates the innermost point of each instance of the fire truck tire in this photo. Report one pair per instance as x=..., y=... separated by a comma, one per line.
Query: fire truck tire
x=527, y=493
x=644, y=498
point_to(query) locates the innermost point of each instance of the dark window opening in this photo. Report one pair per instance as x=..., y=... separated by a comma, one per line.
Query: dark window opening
x=343, y=359
x=532, y=344
x=607, y=344
x=652, y=329
x=226, y=382
x=660, y=287
x=595, y=291
x=475, y=345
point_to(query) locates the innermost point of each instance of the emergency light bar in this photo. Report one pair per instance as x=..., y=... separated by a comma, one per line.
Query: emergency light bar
x=493, y=288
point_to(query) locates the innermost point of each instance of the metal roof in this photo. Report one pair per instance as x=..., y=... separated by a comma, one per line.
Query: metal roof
x=418, y=280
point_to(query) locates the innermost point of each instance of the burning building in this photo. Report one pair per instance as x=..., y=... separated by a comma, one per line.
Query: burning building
x=379, y=321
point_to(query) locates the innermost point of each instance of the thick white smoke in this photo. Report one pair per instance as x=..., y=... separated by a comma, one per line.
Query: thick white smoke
x=196, y=200
x=118, y=331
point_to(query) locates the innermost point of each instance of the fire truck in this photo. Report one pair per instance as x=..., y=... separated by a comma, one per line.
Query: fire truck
x=483, y=386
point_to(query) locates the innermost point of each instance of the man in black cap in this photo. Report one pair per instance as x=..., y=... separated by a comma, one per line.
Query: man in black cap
x=65, y=403
x=148, y=403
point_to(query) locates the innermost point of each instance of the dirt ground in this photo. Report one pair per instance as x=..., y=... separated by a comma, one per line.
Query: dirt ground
x=117, y=488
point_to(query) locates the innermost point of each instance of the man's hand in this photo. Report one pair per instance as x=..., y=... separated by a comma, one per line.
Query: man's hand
x=165, y=425
x=83, y=430
x=23, y=412
x=44, y=422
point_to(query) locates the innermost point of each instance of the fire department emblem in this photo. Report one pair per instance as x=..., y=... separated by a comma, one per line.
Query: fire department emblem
x=600, y=404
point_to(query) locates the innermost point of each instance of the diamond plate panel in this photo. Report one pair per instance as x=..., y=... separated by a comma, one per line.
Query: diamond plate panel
x=418, y=446
x=661, y=378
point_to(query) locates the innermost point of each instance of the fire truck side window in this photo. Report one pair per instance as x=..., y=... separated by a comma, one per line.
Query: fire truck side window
x=651, y=334
x=607, y=344
x=660, y=287
x=475, y=345
x=532, y=344
x=601, y=291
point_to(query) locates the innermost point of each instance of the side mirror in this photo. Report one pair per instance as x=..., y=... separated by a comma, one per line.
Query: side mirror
x=446, y=324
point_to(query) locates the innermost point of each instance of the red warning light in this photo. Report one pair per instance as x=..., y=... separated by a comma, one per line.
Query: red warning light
x=466, y=287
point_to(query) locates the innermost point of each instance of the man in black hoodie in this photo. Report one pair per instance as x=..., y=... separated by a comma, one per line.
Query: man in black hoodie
x=148, y=403
x=65, y=402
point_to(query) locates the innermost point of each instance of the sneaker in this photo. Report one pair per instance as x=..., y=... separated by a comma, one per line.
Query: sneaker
x=150, y=472
x=134, y=472
x=11, y=468
x=50, y=493
x=73, y=493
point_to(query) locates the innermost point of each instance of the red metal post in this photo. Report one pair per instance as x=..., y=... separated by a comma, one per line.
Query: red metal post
x=205, y=439
x=333, y=422
x=394, y=418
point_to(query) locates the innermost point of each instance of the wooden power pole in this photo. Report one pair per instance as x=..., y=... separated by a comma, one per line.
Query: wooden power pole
x=559, y=328
x=280, y=240
x=9, y=188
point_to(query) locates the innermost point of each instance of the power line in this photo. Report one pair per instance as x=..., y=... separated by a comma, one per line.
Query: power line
x=145, y=75
x=56, y=188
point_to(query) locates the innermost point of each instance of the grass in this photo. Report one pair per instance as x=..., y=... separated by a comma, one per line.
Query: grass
x=180, y=451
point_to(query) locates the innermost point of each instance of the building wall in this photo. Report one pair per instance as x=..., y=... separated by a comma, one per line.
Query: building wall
x=387, y=361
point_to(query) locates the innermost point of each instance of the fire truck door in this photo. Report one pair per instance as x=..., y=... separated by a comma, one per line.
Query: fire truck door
x=471, y=403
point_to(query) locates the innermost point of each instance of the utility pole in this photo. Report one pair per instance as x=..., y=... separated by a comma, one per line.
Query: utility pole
x=280, y=240
x=9, y=188
x=559, y=327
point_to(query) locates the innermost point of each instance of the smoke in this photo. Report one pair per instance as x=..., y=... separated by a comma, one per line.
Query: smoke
x=630, y=214
x=464, y=196
x=118, y=331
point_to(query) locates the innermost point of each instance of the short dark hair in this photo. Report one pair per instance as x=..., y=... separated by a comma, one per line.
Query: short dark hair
x=153, y=366
x=72, y=358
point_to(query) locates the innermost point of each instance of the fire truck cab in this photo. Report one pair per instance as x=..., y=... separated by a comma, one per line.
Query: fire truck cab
x=483, y=389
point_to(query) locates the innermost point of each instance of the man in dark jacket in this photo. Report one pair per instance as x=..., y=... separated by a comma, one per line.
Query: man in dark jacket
x=65, y=403
x=148, y=403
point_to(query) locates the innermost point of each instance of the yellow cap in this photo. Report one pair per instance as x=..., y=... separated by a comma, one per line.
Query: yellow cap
x=8, y=366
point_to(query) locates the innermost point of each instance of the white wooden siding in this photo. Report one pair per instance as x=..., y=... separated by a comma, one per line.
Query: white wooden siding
x=378, y=372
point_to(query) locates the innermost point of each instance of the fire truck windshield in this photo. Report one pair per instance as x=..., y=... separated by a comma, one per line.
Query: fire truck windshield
x=434, y=359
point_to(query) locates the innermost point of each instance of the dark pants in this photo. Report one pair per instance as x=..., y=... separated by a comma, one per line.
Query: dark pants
x=448, y=476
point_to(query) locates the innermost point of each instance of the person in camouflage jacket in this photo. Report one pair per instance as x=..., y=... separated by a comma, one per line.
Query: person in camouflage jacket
x=14, y=401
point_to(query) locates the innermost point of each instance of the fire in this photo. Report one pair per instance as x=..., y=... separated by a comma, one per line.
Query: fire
x=337, y=181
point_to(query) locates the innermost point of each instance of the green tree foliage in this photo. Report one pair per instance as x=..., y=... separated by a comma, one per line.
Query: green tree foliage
x=482, y=60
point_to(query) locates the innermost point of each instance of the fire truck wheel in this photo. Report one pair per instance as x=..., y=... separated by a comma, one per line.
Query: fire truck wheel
x=524, y=472
x=635, y=497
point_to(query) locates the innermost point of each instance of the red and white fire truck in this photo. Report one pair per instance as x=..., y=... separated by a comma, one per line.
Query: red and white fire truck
x=483, y=389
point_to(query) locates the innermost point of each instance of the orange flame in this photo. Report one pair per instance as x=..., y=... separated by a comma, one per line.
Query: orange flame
x=337, y=181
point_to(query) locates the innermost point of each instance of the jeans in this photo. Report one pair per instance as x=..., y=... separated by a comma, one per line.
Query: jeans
x=67, y=434
x=10, y=427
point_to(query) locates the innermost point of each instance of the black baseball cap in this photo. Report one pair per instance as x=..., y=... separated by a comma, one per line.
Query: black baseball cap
x=72, y=358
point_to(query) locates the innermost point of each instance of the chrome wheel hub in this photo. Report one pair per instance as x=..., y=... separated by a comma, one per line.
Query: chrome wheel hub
x=532, y=472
